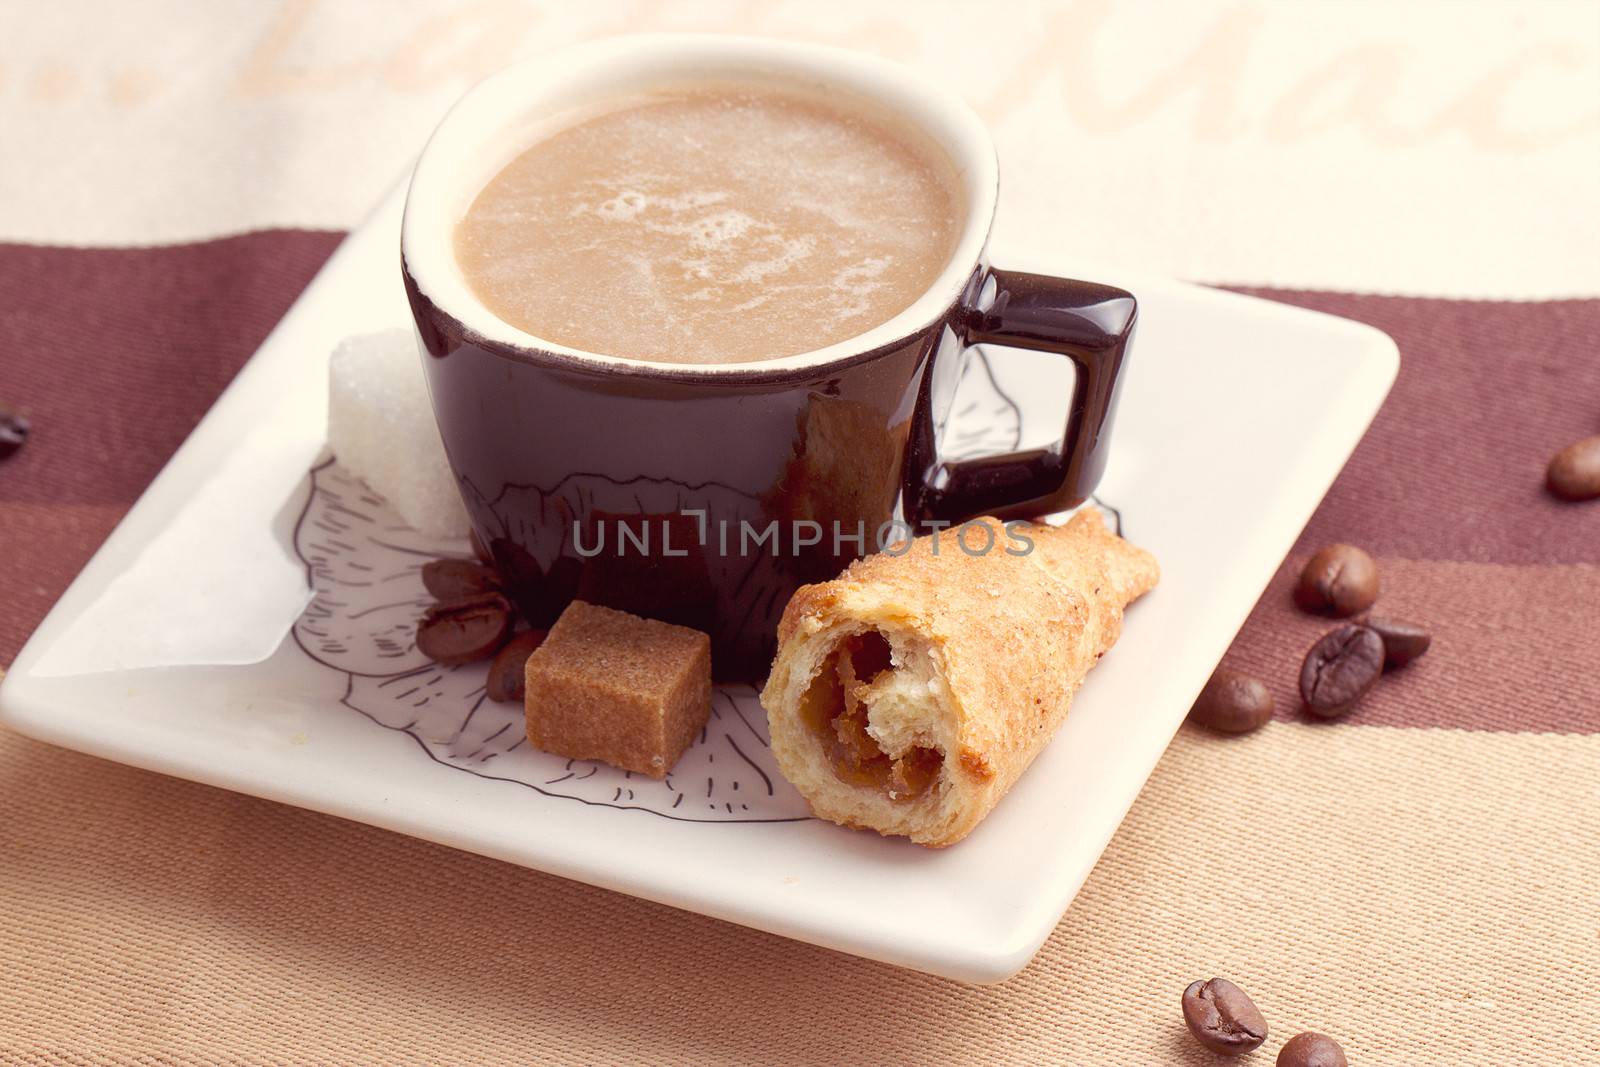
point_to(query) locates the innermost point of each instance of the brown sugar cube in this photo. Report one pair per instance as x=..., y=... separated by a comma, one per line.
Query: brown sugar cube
x=606, y=685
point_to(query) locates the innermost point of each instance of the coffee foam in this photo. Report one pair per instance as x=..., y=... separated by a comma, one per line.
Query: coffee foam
x=709, y=226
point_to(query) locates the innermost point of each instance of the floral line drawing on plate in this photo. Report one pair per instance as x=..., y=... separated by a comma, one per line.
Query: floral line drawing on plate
x=364, y=566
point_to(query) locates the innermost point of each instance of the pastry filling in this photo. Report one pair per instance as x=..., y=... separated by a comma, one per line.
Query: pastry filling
x=836, y=710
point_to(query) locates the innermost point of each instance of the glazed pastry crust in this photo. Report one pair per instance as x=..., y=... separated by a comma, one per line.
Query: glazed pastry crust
x=987, y=653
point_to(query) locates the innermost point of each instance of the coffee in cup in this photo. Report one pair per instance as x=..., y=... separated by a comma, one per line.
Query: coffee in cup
x=711, y=224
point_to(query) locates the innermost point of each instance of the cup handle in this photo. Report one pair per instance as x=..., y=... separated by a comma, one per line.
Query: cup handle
x=1088, y=323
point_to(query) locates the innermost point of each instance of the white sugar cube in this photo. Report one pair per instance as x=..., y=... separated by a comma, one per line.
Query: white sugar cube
x=381, y=429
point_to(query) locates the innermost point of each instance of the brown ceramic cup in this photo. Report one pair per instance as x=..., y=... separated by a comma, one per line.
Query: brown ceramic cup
x=705, y=494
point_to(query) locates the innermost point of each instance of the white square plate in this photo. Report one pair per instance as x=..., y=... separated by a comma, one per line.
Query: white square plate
x=191, y=645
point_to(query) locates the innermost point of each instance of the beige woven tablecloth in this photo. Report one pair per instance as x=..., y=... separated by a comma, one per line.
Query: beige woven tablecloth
x=1421, y=880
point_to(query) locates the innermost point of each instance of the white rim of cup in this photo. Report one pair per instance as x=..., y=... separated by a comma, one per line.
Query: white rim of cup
x=503, y=114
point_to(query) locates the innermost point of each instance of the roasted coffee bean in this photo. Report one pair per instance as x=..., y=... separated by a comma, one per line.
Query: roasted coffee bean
x=454, y=579
x=1574, y=472
x=1311, y=1050
x=1232, y=703
x=1402, y=642
x=13, y=432
x=507, y=674
x=1222, y=1018
x=1340, y=669
x=462, y=631
x=1339, y=580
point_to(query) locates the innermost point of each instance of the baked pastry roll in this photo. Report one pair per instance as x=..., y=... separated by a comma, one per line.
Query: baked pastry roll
x=910, y=692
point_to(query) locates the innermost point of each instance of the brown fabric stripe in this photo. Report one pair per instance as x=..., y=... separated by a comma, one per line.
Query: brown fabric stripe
x=115, y=354
x=42, y=548
x=1453, y=466
x=1514, y=646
